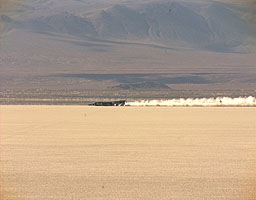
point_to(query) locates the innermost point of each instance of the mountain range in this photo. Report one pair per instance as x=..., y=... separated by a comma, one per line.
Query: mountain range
x=213, y=26
x=200, y=43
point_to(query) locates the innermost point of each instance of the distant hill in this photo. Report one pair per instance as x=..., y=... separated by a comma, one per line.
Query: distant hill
x=64, y=23
x=210, y=26
x=127, y=45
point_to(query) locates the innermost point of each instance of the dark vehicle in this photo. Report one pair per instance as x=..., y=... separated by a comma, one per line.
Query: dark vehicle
x=109, y=103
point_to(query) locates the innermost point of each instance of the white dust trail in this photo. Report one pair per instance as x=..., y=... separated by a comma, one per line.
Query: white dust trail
x=219, y=101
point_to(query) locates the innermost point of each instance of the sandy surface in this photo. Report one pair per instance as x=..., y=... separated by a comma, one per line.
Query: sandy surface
x=75, y=152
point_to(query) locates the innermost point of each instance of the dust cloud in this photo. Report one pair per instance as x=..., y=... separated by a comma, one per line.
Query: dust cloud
x=219, y=101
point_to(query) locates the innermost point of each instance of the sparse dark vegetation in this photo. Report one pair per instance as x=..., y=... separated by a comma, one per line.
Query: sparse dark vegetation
x=84, y=97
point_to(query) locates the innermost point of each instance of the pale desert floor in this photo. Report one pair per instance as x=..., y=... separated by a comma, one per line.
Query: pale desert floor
x=121, y=153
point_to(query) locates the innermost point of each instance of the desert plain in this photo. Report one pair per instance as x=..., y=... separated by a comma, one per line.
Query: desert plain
x=110, y=153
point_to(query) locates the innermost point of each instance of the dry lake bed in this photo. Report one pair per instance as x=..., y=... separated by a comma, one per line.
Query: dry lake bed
x=121, y=153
